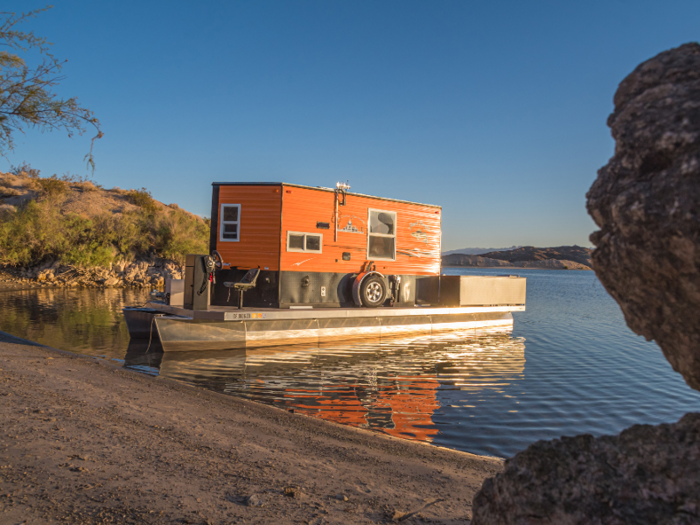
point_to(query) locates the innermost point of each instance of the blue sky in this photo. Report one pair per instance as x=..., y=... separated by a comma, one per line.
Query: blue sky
x=494, y=110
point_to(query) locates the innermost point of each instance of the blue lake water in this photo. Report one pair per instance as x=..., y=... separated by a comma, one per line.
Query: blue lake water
x=570, y=366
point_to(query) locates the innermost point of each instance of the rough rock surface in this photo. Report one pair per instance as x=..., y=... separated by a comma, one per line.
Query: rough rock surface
x=646, y=202
x=647, y=474
x=137, y=274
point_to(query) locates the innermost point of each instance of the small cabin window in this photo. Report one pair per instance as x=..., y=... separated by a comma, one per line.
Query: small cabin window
x=304, y=242
x=381, y=240
x=229, y=223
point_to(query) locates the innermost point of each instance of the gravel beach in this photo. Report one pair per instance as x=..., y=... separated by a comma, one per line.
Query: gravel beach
x=85, y=441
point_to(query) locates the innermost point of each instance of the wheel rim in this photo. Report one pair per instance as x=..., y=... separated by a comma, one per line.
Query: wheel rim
x=374, y=292
x=218, y=260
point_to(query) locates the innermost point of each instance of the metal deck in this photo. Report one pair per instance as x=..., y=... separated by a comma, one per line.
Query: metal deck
x=231, y=313
x=218, y=328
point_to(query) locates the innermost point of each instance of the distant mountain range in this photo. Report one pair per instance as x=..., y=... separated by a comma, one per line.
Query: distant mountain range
x=559, y=257
x=478, y=251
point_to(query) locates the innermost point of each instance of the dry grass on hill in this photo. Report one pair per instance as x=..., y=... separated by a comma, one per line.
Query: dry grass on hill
x=74, y=220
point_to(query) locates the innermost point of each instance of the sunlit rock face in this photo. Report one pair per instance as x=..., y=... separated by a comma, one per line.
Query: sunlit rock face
x=647, y=474
x=646, y=202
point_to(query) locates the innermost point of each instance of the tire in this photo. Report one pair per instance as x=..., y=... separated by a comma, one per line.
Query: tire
x=373, y=291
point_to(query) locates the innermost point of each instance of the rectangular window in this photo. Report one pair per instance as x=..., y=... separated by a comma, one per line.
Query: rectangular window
x=304, y=242
x=381, y=239
x=230, y=222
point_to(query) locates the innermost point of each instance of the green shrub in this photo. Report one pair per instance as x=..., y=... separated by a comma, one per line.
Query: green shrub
x=90, y=254
x=33, y=232
x=143, y=199
x=39, y=231
x=51, y=186
x=177, y=234
x=85, y=186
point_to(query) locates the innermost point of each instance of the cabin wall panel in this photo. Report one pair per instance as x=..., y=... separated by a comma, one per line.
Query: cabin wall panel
x=259, y=226
x=417, y=233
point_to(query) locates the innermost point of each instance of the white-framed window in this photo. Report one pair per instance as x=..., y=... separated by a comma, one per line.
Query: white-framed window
x=230, y=223
x=381, y=235
x=304, y=242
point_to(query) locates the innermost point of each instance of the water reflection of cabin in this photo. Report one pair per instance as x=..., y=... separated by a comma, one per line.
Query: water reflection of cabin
x=393, y=386
x=311, y=243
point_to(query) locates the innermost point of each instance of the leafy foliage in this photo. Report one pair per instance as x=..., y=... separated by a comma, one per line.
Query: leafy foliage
x=51, y=186
x=143, y=199
x=27, y=98
x=39, y=231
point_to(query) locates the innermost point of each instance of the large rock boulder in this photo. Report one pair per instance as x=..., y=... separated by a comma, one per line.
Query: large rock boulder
x=646, y=202
x=647, y=474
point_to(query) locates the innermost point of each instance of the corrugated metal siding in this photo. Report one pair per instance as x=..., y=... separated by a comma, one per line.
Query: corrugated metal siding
x=259, y=226
x=417, y=233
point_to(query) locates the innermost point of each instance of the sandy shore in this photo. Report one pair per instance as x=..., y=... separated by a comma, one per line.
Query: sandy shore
x=83, y=441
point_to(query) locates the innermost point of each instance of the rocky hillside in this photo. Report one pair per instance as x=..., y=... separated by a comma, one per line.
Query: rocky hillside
x=462, y=259
x=71, y=231
x=530, y=253
x=558, y=258
x=478, y=251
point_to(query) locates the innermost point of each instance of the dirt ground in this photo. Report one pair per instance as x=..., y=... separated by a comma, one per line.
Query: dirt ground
x=83, y=441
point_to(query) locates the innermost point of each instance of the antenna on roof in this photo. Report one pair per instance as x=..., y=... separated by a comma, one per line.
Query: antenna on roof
x=341, y=188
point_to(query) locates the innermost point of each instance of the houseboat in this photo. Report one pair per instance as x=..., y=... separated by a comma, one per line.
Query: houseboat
x=291, y=263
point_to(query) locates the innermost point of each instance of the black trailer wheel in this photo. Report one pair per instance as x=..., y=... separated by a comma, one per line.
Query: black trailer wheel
x=373, y=291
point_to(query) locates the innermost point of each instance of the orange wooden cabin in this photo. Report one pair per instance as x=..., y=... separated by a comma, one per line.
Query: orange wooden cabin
x=321, y=246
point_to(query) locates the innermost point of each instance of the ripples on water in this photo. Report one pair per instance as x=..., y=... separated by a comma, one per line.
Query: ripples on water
x=394, y=386
x=570, y=366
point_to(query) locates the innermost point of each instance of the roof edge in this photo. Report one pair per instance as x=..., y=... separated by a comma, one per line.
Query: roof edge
x=321, y=188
